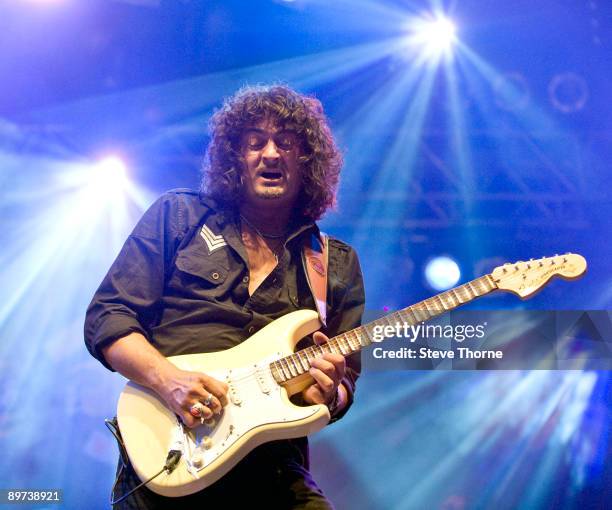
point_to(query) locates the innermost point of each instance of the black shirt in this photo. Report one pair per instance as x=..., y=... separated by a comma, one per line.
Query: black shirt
x=181, y=279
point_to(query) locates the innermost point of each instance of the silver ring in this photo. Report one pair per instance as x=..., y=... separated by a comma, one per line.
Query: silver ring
x=208, y=400
x=196, y=410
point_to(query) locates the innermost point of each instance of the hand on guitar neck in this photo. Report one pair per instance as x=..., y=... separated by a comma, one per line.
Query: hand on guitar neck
x=327, y=372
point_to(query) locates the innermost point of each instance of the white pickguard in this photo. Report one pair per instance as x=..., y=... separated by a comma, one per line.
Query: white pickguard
x=255, y=400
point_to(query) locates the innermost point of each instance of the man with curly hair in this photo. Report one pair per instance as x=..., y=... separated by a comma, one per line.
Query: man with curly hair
x=203, y=271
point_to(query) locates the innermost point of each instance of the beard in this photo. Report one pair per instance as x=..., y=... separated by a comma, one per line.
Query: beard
x=269, y=193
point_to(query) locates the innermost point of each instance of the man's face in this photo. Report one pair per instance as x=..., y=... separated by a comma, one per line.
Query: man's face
x=272, y=174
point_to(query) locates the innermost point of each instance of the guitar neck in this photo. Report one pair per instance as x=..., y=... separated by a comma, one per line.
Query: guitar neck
x=297, y=364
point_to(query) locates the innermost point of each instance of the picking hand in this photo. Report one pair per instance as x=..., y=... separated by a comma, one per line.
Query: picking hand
x=194, y=395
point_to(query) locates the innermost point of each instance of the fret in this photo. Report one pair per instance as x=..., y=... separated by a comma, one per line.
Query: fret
x=337, y=342
x=425, y=305
x=447, y=299
x=361, y=335
x=341, y=347
x=343, y=342
x=333, y=346
x=294, y=365
x=411, y=311
x=305, y=364
x=491, y=282
x=279, y=370
x=347, y=341
x=347, y=336
x=419, y=313
x=473, y=289
x=366, y=334
x=464, y=294
x=287, y=360
x=486, y=283
x=310, y=355
x=286, y=371
x=403, y=317
x=456, y=296
x=432, y=307
x=278, y=377
x=482, y=285
x=441, y=303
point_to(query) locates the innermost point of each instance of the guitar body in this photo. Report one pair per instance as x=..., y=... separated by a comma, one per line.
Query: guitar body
x=259, y=410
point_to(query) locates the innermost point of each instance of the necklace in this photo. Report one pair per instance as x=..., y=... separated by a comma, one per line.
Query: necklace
x=259, y=233
x=265, y=236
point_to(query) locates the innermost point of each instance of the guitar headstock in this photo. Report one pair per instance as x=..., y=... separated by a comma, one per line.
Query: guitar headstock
x=526, y=278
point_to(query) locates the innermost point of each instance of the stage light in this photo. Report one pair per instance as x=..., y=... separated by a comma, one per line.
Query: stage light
x=442, y=273
x=109, y=175
x=435, y=34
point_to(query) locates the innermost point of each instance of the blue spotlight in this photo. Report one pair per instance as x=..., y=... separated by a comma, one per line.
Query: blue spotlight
x=109, y=175
x=434, y=34
x=442, y=273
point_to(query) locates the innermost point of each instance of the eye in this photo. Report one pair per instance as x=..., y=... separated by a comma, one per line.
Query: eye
x=255, y=141
x=285, y=141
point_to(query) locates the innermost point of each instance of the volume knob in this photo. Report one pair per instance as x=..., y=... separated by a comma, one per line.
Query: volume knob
x=197, y=460
x=207, y=442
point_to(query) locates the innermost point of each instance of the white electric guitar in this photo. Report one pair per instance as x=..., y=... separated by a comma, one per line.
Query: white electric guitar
x=264, y=371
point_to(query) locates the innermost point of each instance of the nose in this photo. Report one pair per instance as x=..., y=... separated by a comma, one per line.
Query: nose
x=270, y=154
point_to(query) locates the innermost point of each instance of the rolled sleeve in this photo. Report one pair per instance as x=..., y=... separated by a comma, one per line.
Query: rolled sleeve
x=126, y=300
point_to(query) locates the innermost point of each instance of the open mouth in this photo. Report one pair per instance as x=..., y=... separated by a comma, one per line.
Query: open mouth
x=272, y=174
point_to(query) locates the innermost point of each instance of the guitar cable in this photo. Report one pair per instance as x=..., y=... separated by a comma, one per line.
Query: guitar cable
x=172, y=461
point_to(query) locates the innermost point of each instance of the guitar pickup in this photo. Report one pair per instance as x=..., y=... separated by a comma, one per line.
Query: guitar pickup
x=262, y=381
x=234, y=395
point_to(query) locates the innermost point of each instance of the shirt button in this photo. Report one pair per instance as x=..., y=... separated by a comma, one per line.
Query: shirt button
x=215, y=275
x=251, y=329
x=245, y=279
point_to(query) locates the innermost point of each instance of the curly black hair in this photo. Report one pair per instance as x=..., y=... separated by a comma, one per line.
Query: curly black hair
x=321, y=160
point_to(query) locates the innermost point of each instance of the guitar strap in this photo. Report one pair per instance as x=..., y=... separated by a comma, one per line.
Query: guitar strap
x=315, y=259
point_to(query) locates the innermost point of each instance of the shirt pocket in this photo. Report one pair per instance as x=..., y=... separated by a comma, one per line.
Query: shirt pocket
x=197, y=269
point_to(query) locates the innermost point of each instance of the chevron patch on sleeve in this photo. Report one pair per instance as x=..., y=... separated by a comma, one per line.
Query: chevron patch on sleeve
x=213, y=241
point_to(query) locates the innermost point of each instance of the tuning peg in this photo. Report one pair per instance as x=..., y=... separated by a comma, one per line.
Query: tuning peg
x=541, y=264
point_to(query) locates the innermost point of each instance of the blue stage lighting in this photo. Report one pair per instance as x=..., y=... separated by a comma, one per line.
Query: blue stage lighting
x=442, y=273
x=435, y=34
x=109, y=175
